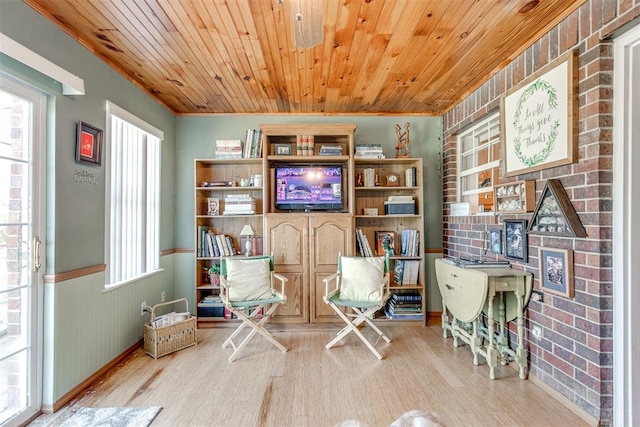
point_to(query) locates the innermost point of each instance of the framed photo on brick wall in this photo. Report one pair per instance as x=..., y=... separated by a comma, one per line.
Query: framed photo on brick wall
x=494, y=241
x=515, y=239
x=556, y=271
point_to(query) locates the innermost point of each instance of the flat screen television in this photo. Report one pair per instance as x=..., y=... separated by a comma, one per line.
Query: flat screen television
x=309, y=187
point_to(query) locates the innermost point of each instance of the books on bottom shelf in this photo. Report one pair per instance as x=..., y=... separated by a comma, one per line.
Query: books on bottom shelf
x=405, y=306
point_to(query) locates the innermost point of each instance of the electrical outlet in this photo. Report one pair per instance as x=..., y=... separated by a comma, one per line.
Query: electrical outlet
x=536, y=331
x=537, y=295
x=163, y=297
x=142, y=307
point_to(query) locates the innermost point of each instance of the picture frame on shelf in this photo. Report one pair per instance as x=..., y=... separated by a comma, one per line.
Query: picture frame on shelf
x=385, y=243
x=539, y=119
x=88, y=144
x=494, y=241
x=556, y=271
x=282, y=149
x=515, y=245
x=213, y=206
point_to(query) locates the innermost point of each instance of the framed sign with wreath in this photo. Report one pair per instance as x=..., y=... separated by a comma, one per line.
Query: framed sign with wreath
x=540, y=119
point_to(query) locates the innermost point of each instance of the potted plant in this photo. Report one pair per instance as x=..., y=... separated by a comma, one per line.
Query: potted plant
x=214, y=274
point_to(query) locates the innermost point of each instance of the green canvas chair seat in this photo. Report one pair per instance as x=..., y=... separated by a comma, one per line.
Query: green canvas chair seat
x=360, y=288
x=247, y=290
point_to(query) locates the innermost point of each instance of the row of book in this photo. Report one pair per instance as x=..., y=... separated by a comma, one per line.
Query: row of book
x=411, y=177
x=214, y=245
x=405, y=272
x=369, y=151
x=253, y=145
x=404, y=306
x=369, y=176
x=362, y=243
x=410, y=242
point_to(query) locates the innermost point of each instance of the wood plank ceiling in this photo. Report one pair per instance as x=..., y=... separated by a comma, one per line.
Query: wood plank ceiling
x=238, y=56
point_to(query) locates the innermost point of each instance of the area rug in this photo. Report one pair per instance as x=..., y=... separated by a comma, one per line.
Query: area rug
x=113, y=417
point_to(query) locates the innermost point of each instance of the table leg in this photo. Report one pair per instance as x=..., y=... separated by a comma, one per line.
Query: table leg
x=445, y=320
x=492, y=356
x=521, y=355
x=476, y=342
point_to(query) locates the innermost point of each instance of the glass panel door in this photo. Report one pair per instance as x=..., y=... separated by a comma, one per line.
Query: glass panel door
x=20, y=281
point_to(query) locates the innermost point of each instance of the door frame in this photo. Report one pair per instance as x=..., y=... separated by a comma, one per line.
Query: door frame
x=626, y=231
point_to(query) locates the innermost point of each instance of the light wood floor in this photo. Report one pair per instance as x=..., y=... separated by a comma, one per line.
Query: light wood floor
x=312, y=386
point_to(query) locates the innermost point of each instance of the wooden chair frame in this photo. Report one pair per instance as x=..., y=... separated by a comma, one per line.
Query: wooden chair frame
x=259, y=312
x=363, y=311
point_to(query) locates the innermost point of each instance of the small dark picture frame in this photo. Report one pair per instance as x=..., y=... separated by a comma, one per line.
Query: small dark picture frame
x=283, y=149
x=494, y=241
x=515, y=239
x=556, y=271
x=88, y=144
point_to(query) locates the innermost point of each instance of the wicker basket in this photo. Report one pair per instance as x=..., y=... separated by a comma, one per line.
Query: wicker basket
x=161, y=341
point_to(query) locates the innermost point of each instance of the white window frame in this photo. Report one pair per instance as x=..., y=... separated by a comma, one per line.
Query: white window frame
x=477, y=128
x=151, y=227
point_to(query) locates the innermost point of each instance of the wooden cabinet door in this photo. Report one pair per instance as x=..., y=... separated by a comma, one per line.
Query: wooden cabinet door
x=329, y=236
x=287, y=238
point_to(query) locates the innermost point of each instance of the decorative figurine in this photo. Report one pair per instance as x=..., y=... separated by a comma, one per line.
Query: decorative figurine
x=402, y=149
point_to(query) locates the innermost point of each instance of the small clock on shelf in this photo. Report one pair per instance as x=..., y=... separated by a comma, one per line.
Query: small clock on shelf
x=392, y=179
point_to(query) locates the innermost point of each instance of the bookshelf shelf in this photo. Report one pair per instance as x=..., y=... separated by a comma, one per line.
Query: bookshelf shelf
x=210, y=177
x=374, y=197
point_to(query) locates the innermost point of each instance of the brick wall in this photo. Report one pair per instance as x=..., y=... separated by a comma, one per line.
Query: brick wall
x=574, y=353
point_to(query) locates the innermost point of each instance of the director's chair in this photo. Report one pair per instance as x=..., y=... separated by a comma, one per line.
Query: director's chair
x=247, y=290
x=362, y=286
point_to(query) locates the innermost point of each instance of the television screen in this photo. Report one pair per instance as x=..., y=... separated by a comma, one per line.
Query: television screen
x=308, y=188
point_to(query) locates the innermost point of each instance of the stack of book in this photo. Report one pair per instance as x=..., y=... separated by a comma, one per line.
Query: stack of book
x=228, y=149
x=239, y=204
x=409, y=242
x=330, y=150
x=369, y=151
x=405, y=272
x=404, y=307
x=253, y=146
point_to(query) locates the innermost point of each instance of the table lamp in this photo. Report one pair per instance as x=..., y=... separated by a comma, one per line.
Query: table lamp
x=248, y=232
